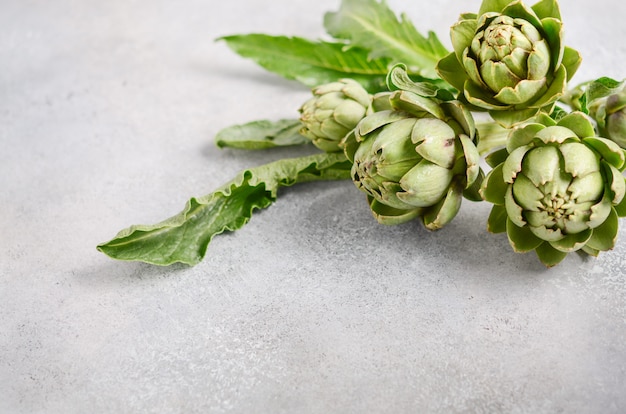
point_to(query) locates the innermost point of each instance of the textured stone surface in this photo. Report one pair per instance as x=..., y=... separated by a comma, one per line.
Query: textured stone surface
x=107, y=114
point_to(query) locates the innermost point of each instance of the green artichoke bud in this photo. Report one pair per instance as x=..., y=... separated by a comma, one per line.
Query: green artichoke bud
x=509, y=59
x=415, y=160
x=557, y=188
x=333, y=111
x=607, y=105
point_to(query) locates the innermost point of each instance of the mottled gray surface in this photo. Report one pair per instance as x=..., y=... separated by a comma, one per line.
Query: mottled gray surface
x=107, y=113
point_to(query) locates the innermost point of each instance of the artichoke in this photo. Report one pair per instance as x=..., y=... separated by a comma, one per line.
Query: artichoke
x=416, y=159
x=332, y=112
x=509, y=59
x=606, y=102
x=557, y=188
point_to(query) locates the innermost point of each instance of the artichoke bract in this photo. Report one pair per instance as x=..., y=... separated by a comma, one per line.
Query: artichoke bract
x=608, y=108
x=333, y=111
x=509, y=59
x=415, y=160
x=557, y=188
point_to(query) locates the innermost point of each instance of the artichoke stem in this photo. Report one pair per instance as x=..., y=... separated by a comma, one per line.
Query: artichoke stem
x=491, y=136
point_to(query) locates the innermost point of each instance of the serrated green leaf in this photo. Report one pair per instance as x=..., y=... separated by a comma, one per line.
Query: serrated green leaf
x=261, y=134
x=373, y=26
x=311, y=63
x=184, y=237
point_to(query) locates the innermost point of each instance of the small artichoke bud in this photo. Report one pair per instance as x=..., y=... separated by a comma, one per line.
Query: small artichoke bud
x=333, y=111
x=608, y=109
x=557, y=188
x=414, y=160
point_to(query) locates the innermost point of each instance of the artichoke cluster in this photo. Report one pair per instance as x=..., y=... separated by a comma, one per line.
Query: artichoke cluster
x=557, y=185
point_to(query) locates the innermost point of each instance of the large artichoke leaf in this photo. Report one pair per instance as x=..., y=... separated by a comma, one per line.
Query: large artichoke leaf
x=311, y=63
x=373, y=26
x=184, y=238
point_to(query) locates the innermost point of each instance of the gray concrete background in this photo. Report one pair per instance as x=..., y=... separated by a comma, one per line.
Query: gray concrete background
x=107, y=115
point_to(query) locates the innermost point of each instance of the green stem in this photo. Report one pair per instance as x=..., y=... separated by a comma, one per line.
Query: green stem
x=492, y=135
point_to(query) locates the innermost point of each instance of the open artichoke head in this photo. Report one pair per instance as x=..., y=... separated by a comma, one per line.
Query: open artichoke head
x=509, y=59
x=557, y=188
x=414, y=160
